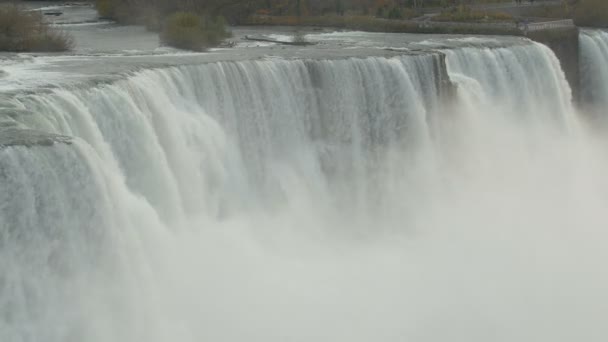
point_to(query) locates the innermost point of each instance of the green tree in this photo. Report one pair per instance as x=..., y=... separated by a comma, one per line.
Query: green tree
x=339, y=7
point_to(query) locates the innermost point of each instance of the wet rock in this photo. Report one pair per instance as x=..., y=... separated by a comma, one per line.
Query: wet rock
x=12, y=136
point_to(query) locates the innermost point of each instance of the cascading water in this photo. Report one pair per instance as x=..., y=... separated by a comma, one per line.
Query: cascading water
x=302, y=200
x=594, y=68
x=513, y=80
x=202, y=139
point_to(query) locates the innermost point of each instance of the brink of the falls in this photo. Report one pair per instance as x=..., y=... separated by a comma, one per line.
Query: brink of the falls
x=452, y=195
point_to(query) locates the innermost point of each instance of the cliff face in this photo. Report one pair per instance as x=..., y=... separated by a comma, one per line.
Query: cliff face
x=565, y=45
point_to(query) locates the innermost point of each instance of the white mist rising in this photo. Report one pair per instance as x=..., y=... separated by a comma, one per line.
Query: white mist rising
x=334, y=200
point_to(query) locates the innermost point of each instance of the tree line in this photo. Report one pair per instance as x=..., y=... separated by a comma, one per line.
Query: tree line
x=235, y=11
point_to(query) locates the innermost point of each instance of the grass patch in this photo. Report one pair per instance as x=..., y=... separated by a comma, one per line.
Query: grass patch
x=559, y=11
x=465, y=14
x=185, y=30
x=26, y=31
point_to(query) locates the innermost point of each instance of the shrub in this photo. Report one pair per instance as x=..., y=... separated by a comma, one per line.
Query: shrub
x=591, y=13
x=26, y=31
x=465, y=14
x=105, y=8
x=118, y=10
x=395, y=13
x=190, y=31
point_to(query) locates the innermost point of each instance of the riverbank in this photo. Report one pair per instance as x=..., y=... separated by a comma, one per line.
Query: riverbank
x=372, y=24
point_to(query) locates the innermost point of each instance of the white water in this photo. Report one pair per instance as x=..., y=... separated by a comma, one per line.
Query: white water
x=292, y=200
x=594, y=69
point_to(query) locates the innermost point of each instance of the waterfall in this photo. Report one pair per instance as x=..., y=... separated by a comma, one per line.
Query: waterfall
x=512, y=80
x=360, y=199
x=183, y=136
x=594, y=68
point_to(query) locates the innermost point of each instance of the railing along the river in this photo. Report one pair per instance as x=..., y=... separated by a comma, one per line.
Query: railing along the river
x=522, y=26
x=550, y=25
